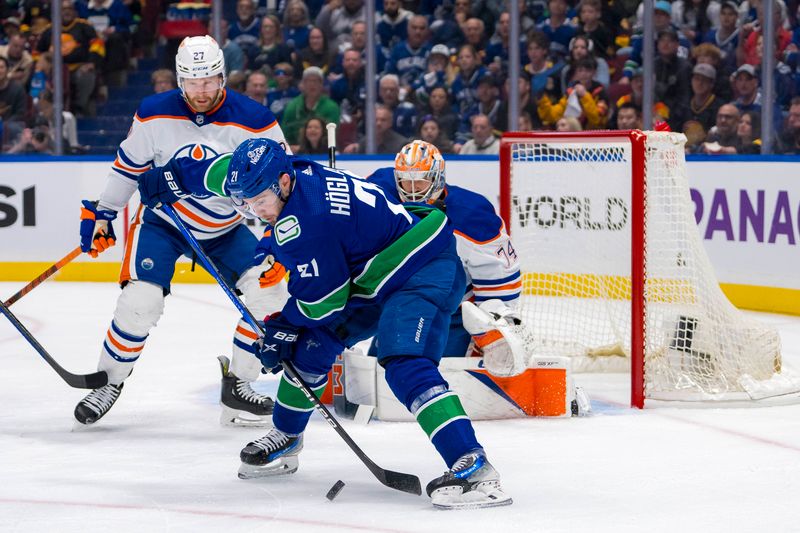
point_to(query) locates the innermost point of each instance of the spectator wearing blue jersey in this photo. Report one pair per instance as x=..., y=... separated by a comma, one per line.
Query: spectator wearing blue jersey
x=496, y=57
x=393, y=24
x=726, y=36
x=403, y=113
x=558, y=28
x=748, y=94
x=271, y=48
x=245, y=31
x=358, y=41
x=285, y=89
x=487, y=103
x=470, y=70
x=296, y=24
x=446, y=25
x=350, y=90
x=409, y=57
x=542, y=69
x=440, y=72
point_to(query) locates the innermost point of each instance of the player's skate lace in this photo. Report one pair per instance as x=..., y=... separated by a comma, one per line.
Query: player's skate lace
x=272, y=441
x=97, y=403
x=246, y=392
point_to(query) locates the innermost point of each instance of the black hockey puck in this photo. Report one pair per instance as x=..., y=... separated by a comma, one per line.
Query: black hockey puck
x=335, y=490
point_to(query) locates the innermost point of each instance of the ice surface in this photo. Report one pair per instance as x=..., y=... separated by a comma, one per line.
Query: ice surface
x=160, y=461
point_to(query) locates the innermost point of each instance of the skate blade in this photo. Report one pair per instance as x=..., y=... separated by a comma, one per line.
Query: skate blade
x=279, y=467
x=478, y=498
x=236, y=418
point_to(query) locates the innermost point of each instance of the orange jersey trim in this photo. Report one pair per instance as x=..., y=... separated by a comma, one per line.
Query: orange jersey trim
x=508, y=287
x=199, y=220
x=246, y=332
x=252, y=130
x=118, y=164
x=119, y=346
x=125, y=273
x=154, y=117
x=470, y=239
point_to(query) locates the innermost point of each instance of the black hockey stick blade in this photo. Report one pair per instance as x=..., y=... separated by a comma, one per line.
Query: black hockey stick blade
x=78, y=381
x=399, y=481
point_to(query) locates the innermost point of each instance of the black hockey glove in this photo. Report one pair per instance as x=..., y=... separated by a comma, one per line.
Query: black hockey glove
x=279, y=341
x=161, y=185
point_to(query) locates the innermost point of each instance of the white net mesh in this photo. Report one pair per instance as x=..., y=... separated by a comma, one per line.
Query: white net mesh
x=571, y=221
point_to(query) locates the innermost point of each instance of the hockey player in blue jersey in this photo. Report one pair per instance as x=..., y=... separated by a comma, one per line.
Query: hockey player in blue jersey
x=487, y=254
x=361, y=265
x=199, y=120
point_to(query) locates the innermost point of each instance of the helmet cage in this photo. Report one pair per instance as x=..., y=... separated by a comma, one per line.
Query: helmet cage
x=433, y=177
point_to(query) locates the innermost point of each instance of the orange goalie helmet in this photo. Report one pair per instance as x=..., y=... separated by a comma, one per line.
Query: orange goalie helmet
x=419, y=172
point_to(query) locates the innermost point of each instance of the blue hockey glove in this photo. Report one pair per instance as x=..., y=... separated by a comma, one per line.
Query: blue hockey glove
x=279, y=341
x=161, y=185
x=97, y=234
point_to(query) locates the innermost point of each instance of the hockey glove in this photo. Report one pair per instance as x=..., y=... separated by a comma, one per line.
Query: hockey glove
x=279, y=341
x=97, y=234
x=272, y=276
x=161, y=185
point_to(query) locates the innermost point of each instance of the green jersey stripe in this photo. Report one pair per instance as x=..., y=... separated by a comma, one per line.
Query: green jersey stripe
x=439, y=412
x=330, y=303
x=214, y=180
x=291, y=397
x=387, y=262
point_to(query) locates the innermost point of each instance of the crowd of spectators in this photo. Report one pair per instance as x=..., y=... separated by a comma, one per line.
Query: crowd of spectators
x=97, y=41
x=442, y=68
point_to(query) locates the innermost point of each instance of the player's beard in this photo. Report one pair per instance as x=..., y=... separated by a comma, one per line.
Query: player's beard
x=206, y=104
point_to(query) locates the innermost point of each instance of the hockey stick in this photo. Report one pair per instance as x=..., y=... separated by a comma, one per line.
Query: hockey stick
x=43, y=276
x=331, y=144
x=79, y=381
x=395, y=480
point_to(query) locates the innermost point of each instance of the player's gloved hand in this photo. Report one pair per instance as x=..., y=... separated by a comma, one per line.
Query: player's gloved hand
x=279, y=341
x=97, y=234
x=161, y=185
x=273, y=275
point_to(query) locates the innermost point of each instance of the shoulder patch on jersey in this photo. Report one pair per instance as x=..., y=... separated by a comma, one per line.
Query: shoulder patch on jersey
x=308, y=171
x=287, y=229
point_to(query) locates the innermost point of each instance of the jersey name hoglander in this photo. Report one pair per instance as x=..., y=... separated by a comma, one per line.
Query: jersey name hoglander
x=338, y=195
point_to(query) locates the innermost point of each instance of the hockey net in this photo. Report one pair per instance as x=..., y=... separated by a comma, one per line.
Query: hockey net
x=614, y=271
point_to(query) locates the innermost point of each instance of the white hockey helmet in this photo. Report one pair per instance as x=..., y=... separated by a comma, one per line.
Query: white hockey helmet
x=199, y=57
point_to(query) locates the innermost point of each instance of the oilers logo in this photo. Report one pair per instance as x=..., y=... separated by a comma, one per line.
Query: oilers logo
x=198, y=152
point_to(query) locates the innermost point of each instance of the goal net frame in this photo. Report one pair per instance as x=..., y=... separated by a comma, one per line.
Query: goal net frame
x=549, y=147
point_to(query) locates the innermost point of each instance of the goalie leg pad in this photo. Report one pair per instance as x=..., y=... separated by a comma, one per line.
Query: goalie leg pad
x=139, y=307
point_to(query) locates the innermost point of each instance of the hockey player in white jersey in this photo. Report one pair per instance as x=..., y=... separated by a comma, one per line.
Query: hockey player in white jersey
x=487, y=254
x=199, y=120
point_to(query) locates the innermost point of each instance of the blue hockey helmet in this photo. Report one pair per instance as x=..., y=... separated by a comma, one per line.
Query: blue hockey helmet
x=256, y=165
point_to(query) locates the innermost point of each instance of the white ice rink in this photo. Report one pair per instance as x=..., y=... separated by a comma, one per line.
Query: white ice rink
x=160, y=461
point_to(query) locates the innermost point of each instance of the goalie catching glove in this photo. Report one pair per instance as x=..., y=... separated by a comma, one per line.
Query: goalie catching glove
x=97, y=234
x=500, y=335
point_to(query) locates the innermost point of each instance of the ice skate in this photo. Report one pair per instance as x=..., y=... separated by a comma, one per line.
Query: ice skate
x=472, y=483
x=241, y=405
x=97, y=403
x=273, y=454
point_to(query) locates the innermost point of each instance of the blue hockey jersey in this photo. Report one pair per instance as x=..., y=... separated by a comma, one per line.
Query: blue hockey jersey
x=485, y=249
x=345, y=242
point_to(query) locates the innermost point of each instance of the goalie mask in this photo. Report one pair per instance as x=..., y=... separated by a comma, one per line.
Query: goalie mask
x=199, y=57
x=419, y=172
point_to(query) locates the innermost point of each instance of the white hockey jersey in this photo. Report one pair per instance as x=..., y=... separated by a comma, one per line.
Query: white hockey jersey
x=485, y=249
x=165, y=126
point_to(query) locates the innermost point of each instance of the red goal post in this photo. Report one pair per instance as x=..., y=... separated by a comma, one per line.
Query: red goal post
x=614, y=271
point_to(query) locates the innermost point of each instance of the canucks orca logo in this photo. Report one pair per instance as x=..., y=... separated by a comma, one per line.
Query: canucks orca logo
x=198, y=152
